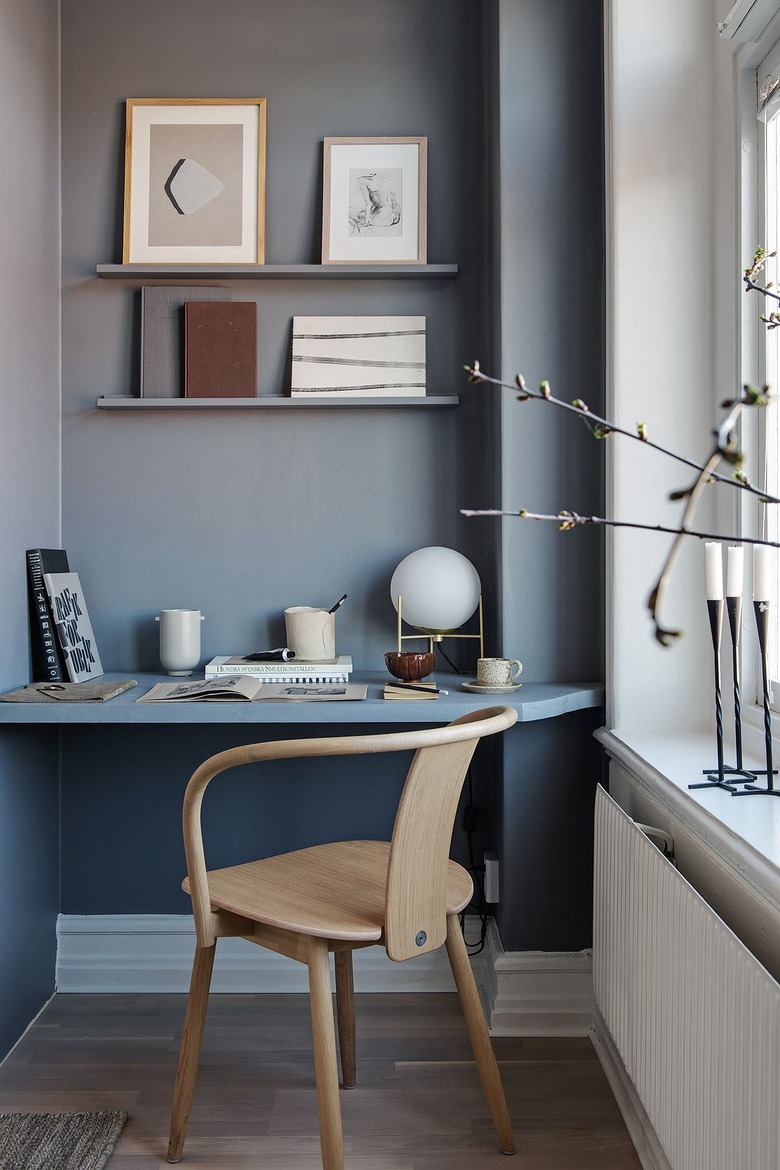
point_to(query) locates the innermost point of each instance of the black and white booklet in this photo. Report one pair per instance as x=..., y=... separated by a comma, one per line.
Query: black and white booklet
x=242, y=688
x=73, y=627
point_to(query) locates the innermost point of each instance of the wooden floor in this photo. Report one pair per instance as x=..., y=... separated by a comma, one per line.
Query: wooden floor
x=417, y=1106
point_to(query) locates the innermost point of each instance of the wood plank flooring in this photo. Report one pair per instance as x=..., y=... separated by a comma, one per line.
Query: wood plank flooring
x=417, y=1105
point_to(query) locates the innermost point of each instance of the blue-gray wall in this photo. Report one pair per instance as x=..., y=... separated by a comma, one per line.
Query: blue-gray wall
x=547, y=282
x=241, y=515
x=29, y=489
x=202, y=509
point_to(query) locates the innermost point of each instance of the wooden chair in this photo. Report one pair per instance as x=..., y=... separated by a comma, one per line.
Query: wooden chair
x=404, y=894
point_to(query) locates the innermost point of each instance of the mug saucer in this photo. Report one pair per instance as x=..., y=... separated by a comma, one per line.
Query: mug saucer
x=481, y=689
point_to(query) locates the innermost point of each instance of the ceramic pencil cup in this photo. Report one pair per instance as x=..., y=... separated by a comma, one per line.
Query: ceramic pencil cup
x=179, y=639
x=311, y=633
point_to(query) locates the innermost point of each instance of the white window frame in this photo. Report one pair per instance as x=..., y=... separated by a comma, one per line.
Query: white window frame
x=755, y=345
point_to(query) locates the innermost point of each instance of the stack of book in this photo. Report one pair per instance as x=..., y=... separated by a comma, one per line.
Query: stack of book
x=417, y=690
x=337, y=670
x=197, y=343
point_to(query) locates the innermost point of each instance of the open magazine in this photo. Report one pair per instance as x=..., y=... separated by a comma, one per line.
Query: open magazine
x=242, y=688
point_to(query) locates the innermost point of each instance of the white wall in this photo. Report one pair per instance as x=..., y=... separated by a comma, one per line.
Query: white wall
x=670, y=249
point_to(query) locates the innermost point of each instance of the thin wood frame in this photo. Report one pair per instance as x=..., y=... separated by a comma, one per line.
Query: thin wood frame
x=251, y=249
x=339, y=245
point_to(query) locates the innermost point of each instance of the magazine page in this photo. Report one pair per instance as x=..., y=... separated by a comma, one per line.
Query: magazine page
x=309, y=692
x=225, y=689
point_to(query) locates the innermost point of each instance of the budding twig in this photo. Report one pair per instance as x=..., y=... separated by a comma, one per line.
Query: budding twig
x=601, y=428
x=567, y=521
x=726, y=448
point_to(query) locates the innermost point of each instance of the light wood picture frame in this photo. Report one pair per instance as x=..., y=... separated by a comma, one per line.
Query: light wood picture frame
x=194, y=181
x=375, y=201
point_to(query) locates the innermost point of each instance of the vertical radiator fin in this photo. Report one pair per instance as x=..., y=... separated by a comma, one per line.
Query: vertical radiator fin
x=693, y=1014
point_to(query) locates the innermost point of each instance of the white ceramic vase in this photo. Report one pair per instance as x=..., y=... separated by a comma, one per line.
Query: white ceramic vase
x=179, y=639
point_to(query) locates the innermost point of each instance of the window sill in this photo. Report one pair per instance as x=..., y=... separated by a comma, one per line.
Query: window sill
x=744, y=831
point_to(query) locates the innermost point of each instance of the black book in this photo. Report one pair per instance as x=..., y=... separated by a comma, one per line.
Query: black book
x=45, y=653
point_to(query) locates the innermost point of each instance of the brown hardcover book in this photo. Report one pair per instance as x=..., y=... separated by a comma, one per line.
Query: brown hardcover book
x=220, y=349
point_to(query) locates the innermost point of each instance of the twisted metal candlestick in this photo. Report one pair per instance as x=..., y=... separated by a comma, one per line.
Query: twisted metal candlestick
x=734, y=610
x=738, y=774
x=761, y=609
x=716, y=777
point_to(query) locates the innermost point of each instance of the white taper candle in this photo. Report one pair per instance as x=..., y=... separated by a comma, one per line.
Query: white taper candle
x=735, y=570
x=713, y=564
x=761, y=572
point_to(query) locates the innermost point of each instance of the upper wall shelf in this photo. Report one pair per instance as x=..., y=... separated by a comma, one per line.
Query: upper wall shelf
x=276, y=271
x=268, y=402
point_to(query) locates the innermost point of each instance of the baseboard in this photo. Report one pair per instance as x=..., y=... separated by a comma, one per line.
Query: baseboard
x=153, y=952
x=524, y=993
x=538, y=993
x=640, y=1129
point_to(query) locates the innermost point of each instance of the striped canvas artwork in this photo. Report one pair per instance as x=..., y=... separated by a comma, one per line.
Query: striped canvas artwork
x=358, y=357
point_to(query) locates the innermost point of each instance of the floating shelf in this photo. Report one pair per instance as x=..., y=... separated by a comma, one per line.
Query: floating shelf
x=269, y=402
x=276, y=271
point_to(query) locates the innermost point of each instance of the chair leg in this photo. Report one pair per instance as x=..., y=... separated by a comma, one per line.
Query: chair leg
x=325, y=1065
x=345, y=1013
x=478, y=1034
x=189, y=1054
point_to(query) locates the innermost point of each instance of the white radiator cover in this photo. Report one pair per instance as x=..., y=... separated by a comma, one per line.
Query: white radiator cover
x=693, y=1015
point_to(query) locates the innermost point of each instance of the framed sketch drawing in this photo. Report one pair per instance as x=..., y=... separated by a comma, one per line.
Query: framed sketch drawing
x=195, y=181
x=374, y=205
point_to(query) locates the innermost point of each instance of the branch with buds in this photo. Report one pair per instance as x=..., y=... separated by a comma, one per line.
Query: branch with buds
x=752, y=283
x=726, y=449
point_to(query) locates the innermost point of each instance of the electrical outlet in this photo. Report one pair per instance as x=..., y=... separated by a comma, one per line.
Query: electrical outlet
x=491, y=878
x=469, y=818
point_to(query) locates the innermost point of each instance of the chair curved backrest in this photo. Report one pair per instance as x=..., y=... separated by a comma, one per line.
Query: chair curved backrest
x=423, y=827
x=415, y=918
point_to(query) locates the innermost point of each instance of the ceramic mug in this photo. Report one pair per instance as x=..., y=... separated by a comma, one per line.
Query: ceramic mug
x=179, y=639
x=498, y=672
x=311, y=633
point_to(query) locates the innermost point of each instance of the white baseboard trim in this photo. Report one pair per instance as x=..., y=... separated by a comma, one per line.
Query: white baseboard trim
x=153, y=952
x=640, y=1130
x=538, y=993
x=524, y=993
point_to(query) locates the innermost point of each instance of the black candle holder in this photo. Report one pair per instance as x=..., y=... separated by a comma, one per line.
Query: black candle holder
x=761, y=609
x=716, y=777
x=737, y=774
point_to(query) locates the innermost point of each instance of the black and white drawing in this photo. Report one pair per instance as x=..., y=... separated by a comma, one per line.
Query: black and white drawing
x=376, y=201
x=358, y=357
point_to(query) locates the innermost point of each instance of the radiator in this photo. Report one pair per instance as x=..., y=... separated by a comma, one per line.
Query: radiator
x=693, y=1015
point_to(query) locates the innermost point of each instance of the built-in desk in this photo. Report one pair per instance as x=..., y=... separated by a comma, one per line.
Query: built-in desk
x=124, y=767
x=532, y=701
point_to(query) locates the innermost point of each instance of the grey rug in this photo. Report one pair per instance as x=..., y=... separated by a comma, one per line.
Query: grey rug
x=58, y=1141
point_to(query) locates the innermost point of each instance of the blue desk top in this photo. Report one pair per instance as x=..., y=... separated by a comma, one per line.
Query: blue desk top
x=532, y=701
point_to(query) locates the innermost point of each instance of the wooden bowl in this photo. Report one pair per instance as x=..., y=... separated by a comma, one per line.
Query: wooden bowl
x=409, y=665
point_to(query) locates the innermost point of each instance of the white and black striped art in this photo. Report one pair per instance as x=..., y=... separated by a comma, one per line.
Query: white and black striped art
x=358, y=357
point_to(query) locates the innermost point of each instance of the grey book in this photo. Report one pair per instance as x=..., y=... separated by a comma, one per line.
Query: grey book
x=162, y=335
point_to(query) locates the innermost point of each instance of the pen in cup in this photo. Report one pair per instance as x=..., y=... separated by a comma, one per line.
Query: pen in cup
x=340, y=601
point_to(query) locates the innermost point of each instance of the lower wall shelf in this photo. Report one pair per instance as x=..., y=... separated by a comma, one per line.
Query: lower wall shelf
x=269, y=402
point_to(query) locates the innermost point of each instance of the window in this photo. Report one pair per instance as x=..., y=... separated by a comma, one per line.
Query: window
x=767, y=89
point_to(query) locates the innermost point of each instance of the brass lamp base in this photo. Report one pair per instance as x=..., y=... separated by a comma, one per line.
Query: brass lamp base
x=434, y=636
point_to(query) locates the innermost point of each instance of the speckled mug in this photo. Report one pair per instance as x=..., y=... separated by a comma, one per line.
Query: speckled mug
x=498, y=672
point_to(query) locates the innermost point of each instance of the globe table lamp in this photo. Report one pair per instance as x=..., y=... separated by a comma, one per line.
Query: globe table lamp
x=436, y=590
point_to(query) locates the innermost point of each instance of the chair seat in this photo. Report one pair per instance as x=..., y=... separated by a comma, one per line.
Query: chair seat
x=330, y=891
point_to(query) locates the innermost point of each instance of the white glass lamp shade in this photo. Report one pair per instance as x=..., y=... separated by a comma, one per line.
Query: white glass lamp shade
x=439, y=589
